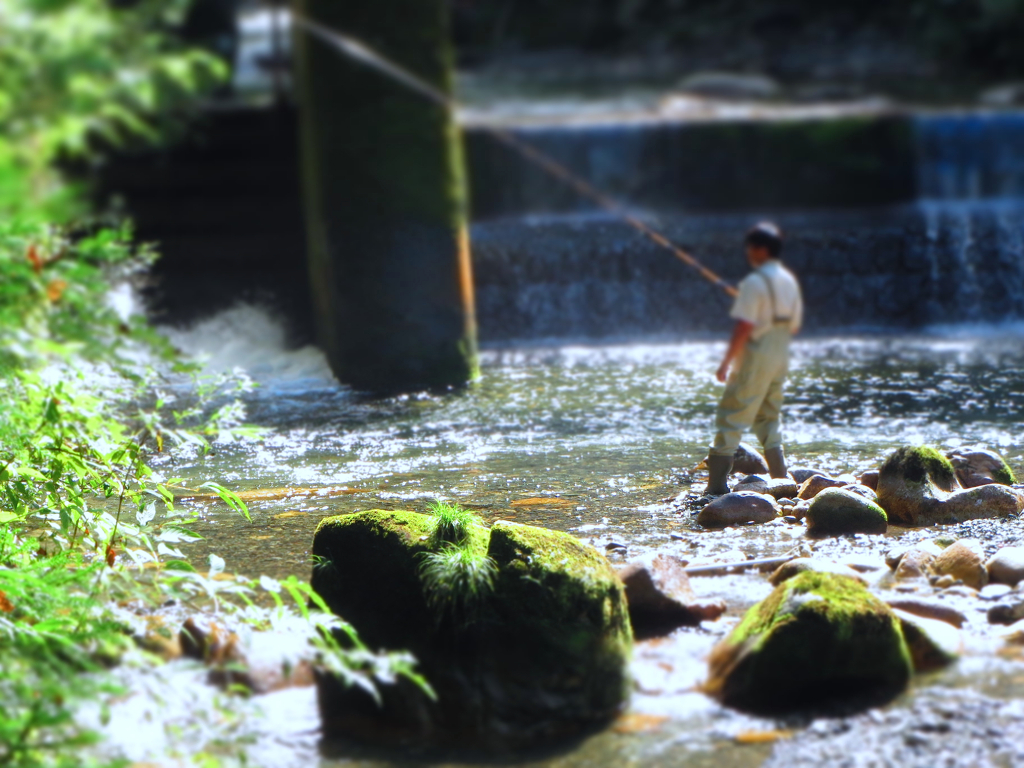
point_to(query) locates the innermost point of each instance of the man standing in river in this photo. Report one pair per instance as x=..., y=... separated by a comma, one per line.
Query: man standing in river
x=767, y=311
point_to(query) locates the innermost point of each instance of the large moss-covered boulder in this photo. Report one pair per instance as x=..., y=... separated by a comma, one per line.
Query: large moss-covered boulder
x=836, y=511
x=918, y=486
x=819, y=642
x=542, y=656
x=559, y=635
x=367, y=570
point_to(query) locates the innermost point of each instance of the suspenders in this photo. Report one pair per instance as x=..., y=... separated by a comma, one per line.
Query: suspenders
x=776, y=320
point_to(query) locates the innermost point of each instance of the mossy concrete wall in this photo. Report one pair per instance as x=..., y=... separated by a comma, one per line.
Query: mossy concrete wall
x=722, y=165
x=385, y=200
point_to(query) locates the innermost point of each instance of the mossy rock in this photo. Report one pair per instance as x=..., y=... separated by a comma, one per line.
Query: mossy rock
x=560, y=616
x=912, y=484
x=545, y=656
x=980, y=466
x=353, y=552
x=835, y=512
x=818, y=643
x=918, y=487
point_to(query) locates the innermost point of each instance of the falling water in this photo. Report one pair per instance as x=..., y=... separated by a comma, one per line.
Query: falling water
x=932, y=235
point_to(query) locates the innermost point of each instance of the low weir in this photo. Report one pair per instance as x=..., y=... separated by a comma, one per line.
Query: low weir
x=896, y=219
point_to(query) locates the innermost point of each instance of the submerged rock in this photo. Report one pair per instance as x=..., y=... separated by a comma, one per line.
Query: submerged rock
x=918, y=486
x=748, y=461
x=661, y=599
x=777, y=488
x=738, y=509
x=1006, y=566
x=836, y=511
x=815, y=484
x=261, y=662
x=802, y=475
x=540, y=655
x=964, y=561
x=870, y=479
x=980, y=467
x=819, y=642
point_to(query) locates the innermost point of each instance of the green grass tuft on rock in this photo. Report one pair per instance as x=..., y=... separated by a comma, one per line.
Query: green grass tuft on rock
x=456, y=581
x=451, y=523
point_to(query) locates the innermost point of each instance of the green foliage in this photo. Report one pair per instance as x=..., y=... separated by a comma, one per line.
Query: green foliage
x=451, y=522
x=457, y=580
x=76, y=71
x=90, y=392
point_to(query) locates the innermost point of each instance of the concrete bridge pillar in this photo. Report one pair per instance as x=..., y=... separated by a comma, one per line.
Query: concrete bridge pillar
x=385, y=200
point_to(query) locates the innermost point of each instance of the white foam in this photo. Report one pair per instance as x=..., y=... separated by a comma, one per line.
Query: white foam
x=252, y=339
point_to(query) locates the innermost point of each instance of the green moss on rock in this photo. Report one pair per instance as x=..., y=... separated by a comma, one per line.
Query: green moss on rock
x=563, y=618
x=351, y=554
x=920, y=465
x=1004, y=475
x=819, y=641
x=545, y=657
x=835, y=512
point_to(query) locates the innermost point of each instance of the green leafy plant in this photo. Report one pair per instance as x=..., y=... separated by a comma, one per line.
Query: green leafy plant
x=77, y=72
x=90, y=394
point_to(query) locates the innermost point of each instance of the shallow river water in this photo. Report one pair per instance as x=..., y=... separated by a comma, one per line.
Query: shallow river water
x=593, y=440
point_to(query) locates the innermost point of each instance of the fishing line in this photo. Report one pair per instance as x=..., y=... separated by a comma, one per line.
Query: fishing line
x=362, y=53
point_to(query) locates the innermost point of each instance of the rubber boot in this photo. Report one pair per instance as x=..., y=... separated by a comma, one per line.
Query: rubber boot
x=719, y=469
x=776, y=459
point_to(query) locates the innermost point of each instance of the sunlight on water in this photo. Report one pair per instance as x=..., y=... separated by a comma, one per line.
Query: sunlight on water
x=605, y=431
x=591, y=439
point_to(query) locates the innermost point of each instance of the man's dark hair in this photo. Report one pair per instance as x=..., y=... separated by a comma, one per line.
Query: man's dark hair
x=765, y=235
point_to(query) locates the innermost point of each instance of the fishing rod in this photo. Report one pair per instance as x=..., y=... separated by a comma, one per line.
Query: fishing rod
x=362, y=53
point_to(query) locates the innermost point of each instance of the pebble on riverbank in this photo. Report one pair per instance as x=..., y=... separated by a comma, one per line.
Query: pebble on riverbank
x=1006, y=566
x=963, y=561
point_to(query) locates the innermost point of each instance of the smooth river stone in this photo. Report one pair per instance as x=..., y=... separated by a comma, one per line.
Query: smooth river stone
x=816, y=484
x=738, y=509
x=933, y=644
x=1006, y=566
x=661, y=599
x=870, y=479
x=964, y=561
x=929, y=609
